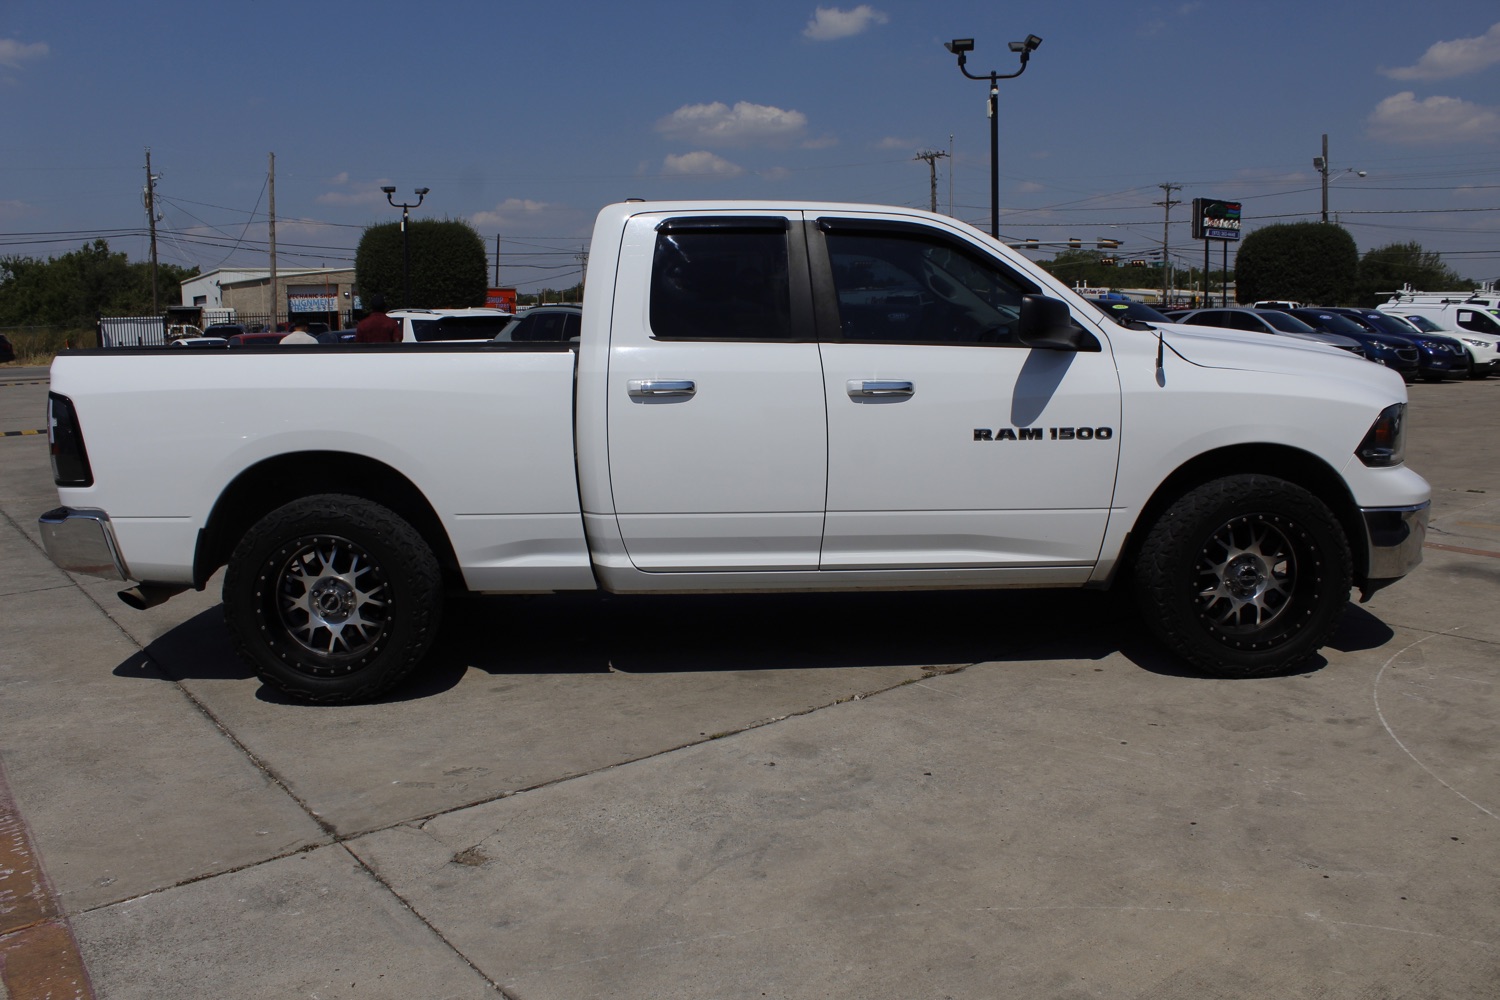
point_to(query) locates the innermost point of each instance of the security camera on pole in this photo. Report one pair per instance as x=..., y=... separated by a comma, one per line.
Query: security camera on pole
x=961, y=47
x=405, y=238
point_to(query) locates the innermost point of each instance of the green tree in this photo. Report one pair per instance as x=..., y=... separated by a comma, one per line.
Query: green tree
x=72, y=291
x=1384, y=270
x=448, y=265
x=1303, y=261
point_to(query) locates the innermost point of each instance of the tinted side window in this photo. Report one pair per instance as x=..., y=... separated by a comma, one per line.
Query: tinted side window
x=714, y=284
x=903, y=287
x=1477, y=321
x=1207, y=319
x=1245, y=321
x=548, y=326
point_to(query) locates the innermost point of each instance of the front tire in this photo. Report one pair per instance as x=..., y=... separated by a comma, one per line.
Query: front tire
x=333, y=598
x=1245, y=576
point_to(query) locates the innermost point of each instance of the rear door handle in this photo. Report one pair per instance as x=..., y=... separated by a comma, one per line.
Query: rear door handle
x=657, y=388
x=879, y=388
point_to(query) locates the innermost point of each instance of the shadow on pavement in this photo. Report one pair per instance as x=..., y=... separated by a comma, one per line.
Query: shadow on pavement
x=603, y=633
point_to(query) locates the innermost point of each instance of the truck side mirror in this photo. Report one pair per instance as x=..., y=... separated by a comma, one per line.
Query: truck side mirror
x=1048, y=324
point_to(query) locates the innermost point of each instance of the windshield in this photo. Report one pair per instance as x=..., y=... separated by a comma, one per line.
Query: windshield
x=1388, y=323
x=1285, y=323
x=1332, y=323
x=1421, y=323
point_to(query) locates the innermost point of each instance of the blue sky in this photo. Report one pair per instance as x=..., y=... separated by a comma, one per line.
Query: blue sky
x=525, y=118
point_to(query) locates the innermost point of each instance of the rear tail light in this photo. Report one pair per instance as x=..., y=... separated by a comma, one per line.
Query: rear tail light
x=70, y=460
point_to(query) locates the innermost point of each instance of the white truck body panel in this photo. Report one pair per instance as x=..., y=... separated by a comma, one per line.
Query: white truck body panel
x=769, y=475
x=487, y=438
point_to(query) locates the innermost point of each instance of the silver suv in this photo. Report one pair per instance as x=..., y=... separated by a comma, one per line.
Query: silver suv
x=1268, y=321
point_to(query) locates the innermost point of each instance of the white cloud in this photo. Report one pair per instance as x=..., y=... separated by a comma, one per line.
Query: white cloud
x=1403, y=118
x=353, y=194
x=717, y=124
x=896, y=142
x=701, y=164
x=1455, y=58
x=509, y=212
x=829, y=23
x=14, y=54
x=1030, y=187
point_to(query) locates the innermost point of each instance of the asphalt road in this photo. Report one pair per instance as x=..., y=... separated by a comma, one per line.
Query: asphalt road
x=954, y=795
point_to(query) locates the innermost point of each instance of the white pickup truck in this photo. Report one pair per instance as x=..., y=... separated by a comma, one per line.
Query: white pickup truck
x=763, y=397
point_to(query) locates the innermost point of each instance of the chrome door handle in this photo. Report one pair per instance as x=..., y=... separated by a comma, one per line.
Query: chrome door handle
x=656, y=388
x=866, y=388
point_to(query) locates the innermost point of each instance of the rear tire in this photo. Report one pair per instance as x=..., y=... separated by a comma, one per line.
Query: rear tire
x=333, y=598
x=1245, y=576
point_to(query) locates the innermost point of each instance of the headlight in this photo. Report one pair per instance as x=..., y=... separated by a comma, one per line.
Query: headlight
x=1385, y=443
x=1478, y=343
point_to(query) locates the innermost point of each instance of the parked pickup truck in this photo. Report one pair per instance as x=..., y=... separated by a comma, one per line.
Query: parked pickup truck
x=763, y=397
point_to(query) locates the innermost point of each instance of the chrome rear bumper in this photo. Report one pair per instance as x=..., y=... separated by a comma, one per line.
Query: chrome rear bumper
x=82, y=540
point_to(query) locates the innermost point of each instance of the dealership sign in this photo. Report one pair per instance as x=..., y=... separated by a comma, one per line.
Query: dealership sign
x=1216, y=220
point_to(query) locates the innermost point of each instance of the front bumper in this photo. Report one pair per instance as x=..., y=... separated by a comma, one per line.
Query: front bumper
x=82, y=540
x=1394, y=536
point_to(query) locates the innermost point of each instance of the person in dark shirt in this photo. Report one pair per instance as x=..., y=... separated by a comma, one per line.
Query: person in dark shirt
x=377, y=328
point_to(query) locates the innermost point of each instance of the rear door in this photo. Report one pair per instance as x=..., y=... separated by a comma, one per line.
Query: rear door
x=717, y=431
x=951, y=444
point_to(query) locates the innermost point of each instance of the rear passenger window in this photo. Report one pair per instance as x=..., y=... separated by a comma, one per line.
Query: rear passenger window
x=721, y=282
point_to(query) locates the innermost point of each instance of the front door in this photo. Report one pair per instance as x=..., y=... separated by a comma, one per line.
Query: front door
x=951, y=445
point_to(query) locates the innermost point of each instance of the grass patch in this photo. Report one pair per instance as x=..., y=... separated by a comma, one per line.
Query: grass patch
x=39, y=345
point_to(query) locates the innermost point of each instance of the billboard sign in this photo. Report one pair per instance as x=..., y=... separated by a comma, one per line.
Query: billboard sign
x=1214, y=219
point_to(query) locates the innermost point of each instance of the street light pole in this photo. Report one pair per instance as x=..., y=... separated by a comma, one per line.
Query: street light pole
x=961, y=47
x=1320, y=164
x=405, y=237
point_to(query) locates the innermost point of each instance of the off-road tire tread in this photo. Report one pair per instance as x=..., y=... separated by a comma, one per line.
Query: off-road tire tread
x=1158, y=573
x=361, y=520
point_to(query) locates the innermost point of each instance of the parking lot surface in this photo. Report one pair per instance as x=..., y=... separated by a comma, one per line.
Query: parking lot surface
x=949, y=795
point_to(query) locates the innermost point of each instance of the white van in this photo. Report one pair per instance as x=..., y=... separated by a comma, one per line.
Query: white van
x=1475, y=325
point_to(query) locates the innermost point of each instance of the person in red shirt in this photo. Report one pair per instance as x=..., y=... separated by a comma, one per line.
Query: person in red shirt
x=377, y=328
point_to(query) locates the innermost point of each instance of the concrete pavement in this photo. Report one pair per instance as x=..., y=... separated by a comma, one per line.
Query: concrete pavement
x=961, y=795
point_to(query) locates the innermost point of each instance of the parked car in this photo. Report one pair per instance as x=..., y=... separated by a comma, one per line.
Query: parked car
x=910, y=404
x=1439, y=357
x=335, y=336
x=544, y=324
x=1397, y=353
x=200, y=342
x=428, y=325
x=1478, y=329
x=1128, y=311
x=255, y=339
x=1269, y=321
x=225, y=330
x=7, y=352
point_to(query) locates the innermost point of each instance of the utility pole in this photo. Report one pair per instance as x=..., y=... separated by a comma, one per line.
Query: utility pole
x=951, y=161
x=1322, y=165
x=497, y=260
x=151, y=219
x=931, y=156
x=1166, y=261
x=271, y=182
